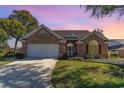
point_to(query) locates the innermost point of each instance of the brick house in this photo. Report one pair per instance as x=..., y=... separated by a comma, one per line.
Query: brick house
x=44, y=42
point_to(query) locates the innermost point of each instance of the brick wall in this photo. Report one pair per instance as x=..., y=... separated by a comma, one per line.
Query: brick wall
x=43, y=38
x=104, y=47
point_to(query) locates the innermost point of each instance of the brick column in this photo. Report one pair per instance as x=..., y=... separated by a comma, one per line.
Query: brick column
x=81, y=49
x=62, y=49
x=104, y=51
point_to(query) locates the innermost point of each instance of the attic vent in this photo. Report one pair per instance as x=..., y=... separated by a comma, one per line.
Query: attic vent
x=42, y=31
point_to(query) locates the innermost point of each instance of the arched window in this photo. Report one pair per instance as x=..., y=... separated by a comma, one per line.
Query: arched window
x=69, y=45
x=93, y=47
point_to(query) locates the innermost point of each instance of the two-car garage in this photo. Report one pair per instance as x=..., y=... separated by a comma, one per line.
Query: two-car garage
x=43, y=50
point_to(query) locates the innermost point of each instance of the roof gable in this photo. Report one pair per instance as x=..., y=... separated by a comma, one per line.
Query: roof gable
x=97, y=34
x=39, y=28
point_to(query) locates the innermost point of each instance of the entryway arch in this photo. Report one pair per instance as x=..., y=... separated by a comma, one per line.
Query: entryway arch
x=71, y=49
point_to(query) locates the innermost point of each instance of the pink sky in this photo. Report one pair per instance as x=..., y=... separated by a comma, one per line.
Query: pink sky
x=70, y=17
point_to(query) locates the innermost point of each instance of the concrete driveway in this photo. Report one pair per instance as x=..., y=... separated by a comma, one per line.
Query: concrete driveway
x=27, y=74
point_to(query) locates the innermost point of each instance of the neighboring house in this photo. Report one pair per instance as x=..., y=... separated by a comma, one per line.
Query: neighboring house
x=116, y=46
x=44, y=42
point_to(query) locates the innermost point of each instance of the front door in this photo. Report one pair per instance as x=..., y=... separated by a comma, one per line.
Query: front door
x=70, y=50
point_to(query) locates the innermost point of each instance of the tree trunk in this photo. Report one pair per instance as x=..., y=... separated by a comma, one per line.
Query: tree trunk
x=16, y=42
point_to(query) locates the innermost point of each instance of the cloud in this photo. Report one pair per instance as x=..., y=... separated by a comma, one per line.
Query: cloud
x=49, y=10
x=72, y=17
x=114, y=30
x=74, y=27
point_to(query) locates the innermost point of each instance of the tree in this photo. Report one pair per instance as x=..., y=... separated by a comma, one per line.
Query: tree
x=3, y=38
x=25, y=18
x=18, y=24
x=14, y=29
x=100, y=11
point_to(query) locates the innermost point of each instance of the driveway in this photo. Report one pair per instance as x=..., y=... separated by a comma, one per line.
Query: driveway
x=27, y=74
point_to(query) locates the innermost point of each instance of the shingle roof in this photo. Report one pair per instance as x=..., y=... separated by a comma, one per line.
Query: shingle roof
x=116, y=47
x=67, y=34
x=72, y=34
x=116, y=43
x=77, y=34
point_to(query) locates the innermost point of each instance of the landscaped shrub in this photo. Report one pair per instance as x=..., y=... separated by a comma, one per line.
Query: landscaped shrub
x=2, y=52
x=85, y=56
x=19, y=55
x=63, y=57
x=114, y=55
x=97, y=56
x=9, y=54
x=91, y=56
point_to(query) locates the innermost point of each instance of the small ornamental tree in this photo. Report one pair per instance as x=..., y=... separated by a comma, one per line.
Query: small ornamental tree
x=3, y=37
x=14, y=29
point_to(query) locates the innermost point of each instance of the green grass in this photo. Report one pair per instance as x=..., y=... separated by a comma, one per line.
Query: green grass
x=78, y=74
x=4, y=61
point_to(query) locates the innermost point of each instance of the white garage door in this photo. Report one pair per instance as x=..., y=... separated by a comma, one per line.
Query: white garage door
x=43, y=50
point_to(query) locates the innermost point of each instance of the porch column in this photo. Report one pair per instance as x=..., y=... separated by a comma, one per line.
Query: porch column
x=62, y=49
x=105, y=50
x=78, y=52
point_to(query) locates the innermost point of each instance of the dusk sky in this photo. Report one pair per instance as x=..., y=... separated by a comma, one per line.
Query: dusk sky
x=70, y=17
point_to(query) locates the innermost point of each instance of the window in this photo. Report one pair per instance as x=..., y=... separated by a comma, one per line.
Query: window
x=93, y=47
x=69, y=45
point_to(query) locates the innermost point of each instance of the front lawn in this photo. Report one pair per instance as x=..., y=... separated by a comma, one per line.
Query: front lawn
x=77, y=74
x=4, y=61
